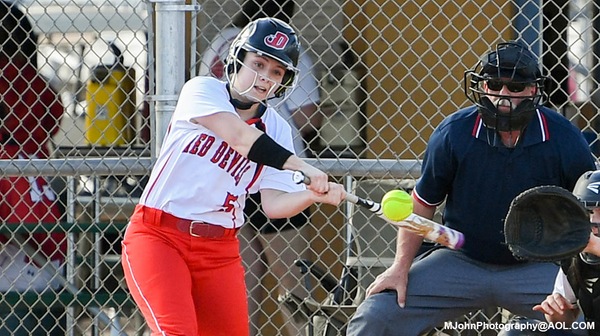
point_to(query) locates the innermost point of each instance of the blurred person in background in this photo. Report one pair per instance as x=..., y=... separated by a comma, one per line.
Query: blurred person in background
x=273, y=245
x=30, y=114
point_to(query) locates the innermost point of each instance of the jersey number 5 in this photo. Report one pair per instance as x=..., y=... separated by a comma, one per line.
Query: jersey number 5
x=228, y=205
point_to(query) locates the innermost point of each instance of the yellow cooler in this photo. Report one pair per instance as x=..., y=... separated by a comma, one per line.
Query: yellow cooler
x=110, y=98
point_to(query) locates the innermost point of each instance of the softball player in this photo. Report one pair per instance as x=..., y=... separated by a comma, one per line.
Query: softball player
x=272, y=246
x=180, y=252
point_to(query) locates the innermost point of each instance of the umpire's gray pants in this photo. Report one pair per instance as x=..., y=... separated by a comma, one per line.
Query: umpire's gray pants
x=448, y=284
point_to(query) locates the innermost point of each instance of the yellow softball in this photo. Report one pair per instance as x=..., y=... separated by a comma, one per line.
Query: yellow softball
x=397, y=205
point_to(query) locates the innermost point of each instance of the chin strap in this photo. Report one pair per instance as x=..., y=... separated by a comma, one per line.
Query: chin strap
x=238, y=103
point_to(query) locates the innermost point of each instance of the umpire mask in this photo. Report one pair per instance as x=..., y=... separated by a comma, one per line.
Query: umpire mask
x=515, y=66
x=587, y=190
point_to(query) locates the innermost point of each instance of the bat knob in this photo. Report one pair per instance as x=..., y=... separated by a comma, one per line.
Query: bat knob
x=299, y=177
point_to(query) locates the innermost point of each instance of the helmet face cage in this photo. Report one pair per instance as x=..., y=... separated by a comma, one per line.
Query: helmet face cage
x=267, y=37
x=510, y=63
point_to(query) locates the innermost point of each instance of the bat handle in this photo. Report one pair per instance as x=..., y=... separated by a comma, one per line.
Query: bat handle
x=299, y=177
x=352, y=198
x=365, y=203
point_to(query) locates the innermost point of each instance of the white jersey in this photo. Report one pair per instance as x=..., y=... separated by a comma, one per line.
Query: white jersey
x=306, y=91
x=197, y=175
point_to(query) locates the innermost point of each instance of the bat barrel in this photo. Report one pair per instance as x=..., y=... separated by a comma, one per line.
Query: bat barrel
x=435, y=232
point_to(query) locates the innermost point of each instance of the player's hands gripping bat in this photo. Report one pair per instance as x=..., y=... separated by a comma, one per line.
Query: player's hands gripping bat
x=397, y=210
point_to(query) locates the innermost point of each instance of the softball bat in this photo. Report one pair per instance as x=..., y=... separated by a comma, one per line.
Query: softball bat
x=422, y=226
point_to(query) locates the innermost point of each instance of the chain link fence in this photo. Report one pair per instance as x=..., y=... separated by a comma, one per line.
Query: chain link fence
x=87, y=90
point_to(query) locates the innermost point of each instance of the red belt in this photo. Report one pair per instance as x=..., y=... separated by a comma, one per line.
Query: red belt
x=194, y=228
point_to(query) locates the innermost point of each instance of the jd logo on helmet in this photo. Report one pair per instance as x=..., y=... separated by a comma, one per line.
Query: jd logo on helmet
x=277, y=41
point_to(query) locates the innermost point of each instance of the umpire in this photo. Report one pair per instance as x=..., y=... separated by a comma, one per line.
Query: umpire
x=478, y=160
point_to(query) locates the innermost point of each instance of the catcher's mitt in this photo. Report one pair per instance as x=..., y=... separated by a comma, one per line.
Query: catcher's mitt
x=546, y=223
